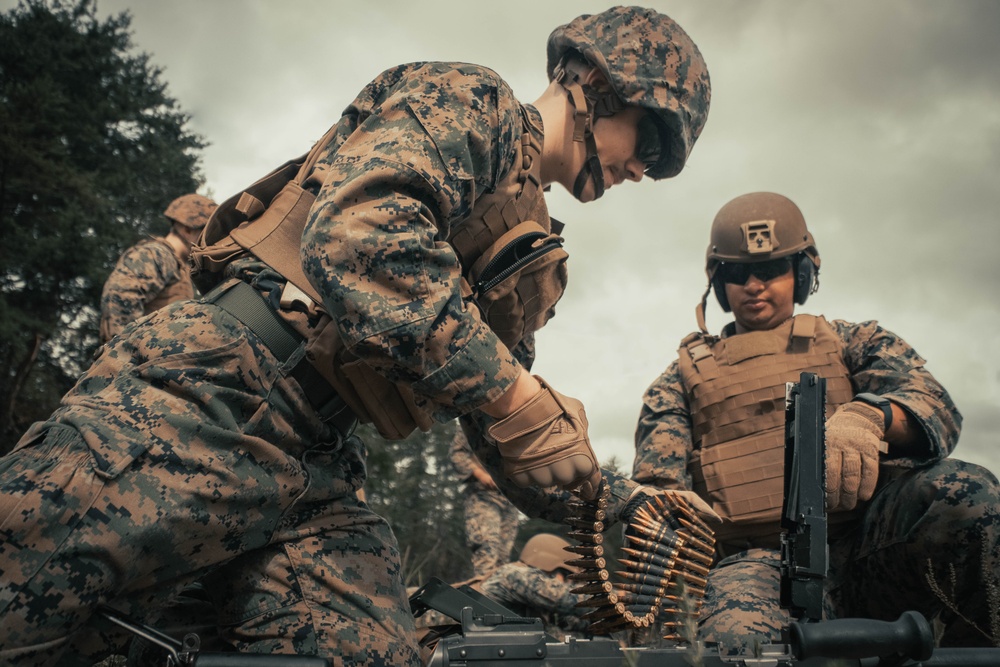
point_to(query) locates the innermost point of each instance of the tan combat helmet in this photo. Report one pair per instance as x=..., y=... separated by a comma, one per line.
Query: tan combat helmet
x=759, y=227
x=547, y=552
x=651, y=63
x=191, y=211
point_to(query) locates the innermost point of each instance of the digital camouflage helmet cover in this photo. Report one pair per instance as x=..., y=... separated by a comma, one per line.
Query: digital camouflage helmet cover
x=651, y=63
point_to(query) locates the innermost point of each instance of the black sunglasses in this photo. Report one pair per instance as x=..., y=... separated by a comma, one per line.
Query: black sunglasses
x=739, y=274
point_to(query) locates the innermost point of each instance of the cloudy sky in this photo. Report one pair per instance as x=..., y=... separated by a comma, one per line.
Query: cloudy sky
x=881, y=120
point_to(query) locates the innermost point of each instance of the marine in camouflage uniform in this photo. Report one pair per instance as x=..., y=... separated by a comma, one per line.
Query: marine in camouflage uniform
x=212, y=440
x=490, y=519
x=899, y=513
x=535, y=586
x=154, y=272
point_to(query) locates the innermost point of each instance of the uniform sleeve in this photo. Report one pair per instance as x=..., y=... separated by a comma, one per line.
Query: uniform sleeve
x=663, y=441
x=516, y=582
x=374, y=244
x=882, y=363
x=142, y=272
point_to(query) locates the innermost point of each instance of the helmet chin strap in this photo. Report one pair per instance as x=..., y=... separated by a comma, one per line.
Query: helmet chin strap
x=590, y=169
x=568, y=73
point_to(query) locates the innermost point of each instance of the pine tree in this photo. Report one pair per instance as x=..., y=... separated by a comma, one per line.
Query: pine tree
x=413, y=485
x=92, y=149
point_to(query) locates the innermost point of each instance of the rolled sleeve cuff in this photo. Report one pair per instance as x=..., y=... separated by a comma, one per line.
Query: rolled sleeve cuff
x=477, y=374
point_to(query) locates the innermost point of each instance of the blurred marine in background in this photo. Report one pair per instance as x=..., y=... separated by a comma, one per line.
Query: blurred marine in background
x=535, y=586
x=154, y=272
x=490, y=519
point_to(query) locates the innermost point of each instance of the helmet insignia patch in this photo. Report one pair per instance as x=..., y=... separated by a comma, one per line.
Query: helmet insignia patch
x=759, y=237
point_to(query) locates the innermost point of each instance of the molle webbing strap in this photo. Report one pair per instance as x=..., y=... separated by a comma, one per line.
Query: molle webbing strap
x=277, y=244
x=701, y=357
x=518, y=199
x=268, y=219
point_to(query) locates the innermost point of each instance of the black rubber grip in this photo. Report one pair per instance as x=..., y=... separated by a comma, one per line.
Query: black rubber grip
x=910, y=636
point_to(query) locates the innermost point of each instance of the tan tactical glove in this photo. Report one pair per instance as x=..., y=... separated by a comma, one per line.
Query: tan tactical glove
x=544, y=443
x=853, y=441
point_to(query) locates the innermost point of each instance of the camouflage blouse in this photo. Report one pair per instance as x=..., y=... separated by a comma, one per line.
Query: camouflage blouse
x=409, y=158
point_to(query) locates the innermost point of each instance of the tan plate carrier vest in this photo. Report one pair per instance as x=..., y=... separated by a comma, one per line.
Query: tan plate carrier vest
x=736, y=389
x=513, y=265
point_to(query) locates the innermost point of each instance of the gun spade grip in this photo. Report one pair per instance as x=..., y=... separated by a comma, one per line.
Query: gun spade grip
x=909, y=636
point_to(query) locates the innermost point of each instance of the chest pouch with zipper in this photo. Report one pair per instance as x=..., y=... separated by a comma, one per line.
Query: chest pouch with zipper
x=518, y=281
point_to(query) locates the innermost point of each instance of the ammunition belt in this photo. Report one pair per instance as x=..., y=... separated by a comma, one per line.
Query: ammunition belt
x=662, y=583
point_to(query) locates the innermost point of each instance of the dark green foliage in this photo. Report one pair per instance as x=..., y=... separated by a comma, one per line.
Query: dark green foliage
x=412, y=483
x=92, y=149
x=414, y=486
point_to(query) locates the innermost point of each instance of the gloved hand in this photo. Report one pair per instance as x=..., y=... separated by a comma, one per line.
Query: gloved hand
x=643, y=492
x=853, y=441
x=545, y=443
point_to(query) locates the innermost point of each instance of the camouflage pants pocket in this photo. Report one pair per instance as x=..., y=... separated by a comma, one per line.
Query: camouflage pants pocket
x=742, y=601
x=337, y=592
x=47, y=487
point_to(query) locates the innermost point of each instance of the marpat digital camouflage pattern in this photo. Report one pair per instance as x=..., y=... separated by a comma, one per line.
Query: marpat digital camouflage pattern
x=184, y=454
x=187, y=451
x=929, y=513
x=191, y=211
x=190, y=390
x=651, y=63
x=148, y=276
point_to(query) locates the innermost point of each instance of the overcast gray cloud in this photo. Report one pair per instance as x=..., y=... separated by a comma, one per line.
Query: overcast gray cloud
x=881, y=120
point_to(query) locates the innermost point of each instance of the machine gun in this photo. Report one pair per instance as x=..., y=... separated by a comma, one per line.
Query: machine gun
x=486, y=634
x=804, y=551
x=188, y=653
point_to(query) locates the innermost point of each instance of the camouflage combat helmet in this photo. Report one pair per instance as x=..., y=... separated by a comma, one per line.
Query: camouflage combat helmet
x=546, y=552
x=651, y=63
x=191, y=211
x=758, y=227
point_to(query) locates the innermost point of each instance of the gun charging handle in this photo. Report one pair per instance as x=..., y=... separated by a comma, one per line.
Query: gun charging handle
x=909, y=636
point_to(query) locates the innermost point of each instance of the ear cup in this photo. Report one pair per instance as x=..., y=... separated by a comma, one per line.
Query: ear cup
x=805, y=275
x=719, y=287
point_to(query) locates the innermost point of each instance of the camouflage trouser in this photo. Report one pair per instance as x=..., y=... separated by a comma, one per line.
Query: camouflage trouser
x=940, y=522
x=490, y=528
x=294, y=562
